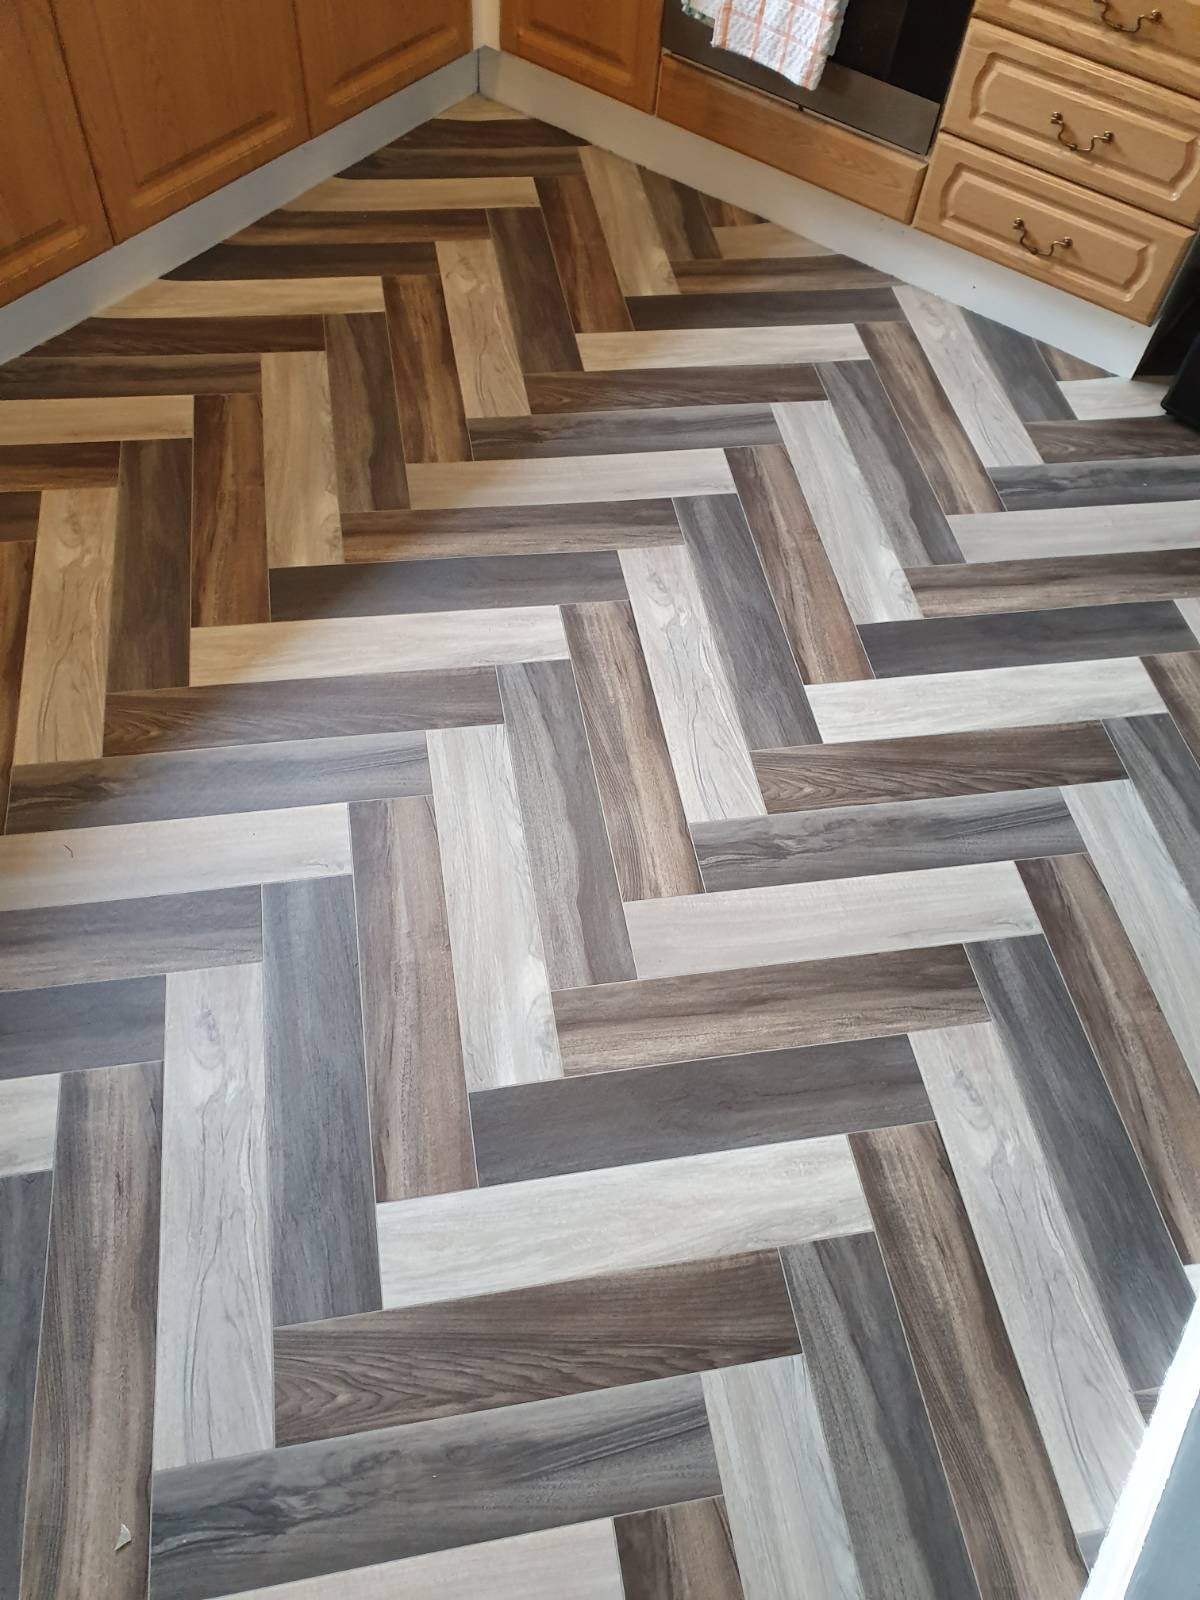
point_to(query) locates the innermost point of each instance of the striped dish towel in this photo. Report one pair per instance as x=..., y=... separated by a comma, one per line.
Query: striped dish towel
x=793, y=37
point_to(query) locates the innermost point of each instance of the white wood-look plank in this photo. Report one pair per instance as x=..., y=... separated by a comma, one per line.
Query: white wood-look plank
x=304, y=525
x=505, y=1014
x=867, y=568
x=628, y=223
x=578, y=1562
x=650, y=474
x=814, y=921
x=1093, y=399
x=28, y=1117
x=213, y=1393
x=1077, y=531
x=415, y=194
x=785, y=1513
x=71, y=421
x=250, y=297
x=717, y=347
x=75, y=866
x=976, y=393
x=337, y=647
x=995, y=697
x=700, y=722
x=481, y=330
x=1085, y=1409
x=1160, y=917
x=548, y=1230
x=60, y=711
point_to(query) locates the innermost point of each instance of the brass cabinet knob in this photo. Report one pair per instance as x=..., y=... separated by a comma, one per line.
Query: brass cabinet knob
x=1024, y=241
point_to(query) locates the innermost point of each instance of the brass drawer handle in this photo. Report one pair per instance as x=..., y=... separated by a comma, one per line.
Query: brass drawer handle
x=1023, y=240
x=1119, y=27
x=1058, y=121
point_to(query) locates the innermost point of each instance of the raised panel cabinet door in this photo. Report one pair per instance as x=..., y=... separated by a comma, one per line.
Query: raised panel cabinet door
x=357, y=51
x=610, y=45
x=1156, y=39
x=179, y=96
x=51, y=217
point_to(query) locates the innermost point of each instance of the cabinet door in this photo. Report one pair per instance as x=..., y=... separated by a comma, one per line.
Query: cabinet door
x=610, y=45
x=178, y=97
x=50, y=212
x=357, y=51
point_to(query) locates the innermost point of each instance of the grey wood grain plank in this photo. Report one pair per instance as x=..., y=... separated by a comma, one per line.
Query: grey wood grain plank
x=24, y=1227
x=331, y=1505
x=324, y=1261
x=1125, y=1244
x=574, y=881
x=1022, y=369
x=412, y=1364
x=129, y=938
x=81, y=1025
x=1098, y=483
x=805, y=1002
x=420, y=1125
x=692, y=1107
x=853, y=841
x=762, y=670
x=217, y=781
x=151, y=598
x=301, y=708
x=1177, y=679
x=671, y=386
x=1044, y=581
x=93, y=1409
x=899, y=1513
x=682, y=1552
x=378, y=588
x=613, y=432
x=1166, y=775
x=28, y=1118
x=1024, y=638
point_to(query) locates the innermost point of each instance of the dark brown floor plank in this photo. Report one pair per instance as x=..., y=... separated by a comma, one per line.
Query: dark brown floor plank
x=682, y=220
x=936, y=765
x=40, y=378
x=1113, y=439
x=331, y=1505
x=686, y=1108
x=681, y=1552
x=1024, y=374
x=1167, y=776
x=25, y=467
x=1177, y=679
x=1100, y=483
x=420, y=1122
x=24, y=1227
x=541, y=318
x=151, y=595
x=508, y=530
x=449, y=132
x=368, y=449
x=229, y=521
x=81, y=1025
x=985, y=587
x=428, y=397
x=19, y=516
x=805, y=1002
x=577, y=242
x=338, y=259
x=89, y=1477
x=742, y=273
x=650, y=387
x=183, y=336
x=622, y=431
x=1011, y=1514
x=783, y=307
x=396, y=161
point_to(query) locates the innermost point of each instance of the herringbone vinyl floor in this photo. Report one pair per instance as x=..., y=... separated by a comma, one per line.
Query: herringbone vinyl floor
x=601, y=910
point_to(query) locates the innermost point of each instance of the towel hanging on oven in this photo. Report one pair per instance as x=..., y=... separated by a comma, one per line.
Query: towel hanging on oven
x=793, y=37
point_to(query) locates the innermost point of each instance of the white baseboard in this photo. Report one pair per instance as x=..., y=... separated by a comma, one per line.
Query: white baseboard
x=87, y=288
x=1108, y=340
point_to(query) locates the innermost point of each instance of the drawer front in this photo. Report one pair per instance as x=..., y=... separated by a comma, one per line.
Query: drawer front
x=1166, y=51
x=1032, y=101
x=1118, y=257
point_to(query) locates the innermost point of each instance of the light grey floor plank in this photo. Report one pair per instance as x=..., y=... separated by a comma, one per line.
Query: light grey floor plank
x=24, y=1225
x=28, y=1118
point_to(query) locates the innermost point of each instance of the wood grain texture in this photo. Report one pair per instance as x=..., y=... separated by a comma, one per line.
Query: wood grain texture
x=415, y=194
x=420, y=1127
x=1098, y=483
x=623, y=430
x=977, y=589
x=759, y=308
x=481, y=330
x=509, y=530
x=1166, y=775
x=585, y=268
x=24, y=1229
x=323, y=1260
x=89, y=1470
x=16, y=576
x=545, y=338
x=679, y=1552
x=229, y=519
x=299, y=464
x=465, y=485
x=1114, y=439
x=57, y=466
x=150, y=615
x=34, y=377
x=19, y=516
x=1177, y=679
x=213, y=1379
x=1078, y=531
x=1023, y=371
x=739, y=347
x=630, y=227
x=172, y=301
x=81, y=1025
x=28, y=1118
x=637, y=389
x=367, y=447
x=430, y=402
x=83, y=421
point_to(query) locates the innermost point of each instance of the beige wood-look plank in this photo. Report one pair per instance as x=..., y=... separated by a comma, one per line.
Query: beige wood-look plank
x=994, y=697
x=250, y=297
x=976, y=393
x=628, y=223
x=415, y=194
x=1158, y=914
x=28, y=1116
x=695, y=702
x=549, y=1230
x=504, y=1010
x=785, y=1513
x=1085, y=1409
x=135, y=416
x=338, y=647
x=304, y=526
x=647, y=475
x=213, y=1393
x=478, y=108
x=867, y=568
x=60, y=712
x=721, y=347
x=75, y=866
x=481, y=330
x=578, y=1562
x=1093, y=399
x=1077, y=531
x=844, y=917
x=762, y=241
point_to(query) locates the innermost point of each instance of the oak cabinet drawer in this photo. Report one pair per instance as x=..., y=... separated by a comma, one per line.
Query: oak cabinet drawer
x=1027, y=99
x=1118, y=257
x=1166, y=51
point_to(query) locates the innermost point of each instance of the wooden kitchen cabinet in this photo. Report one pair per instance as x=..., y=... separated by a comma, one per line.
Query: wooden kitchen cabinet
x=609, y=45
x=51, y=217
x=357, y=51
x=179, y=97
